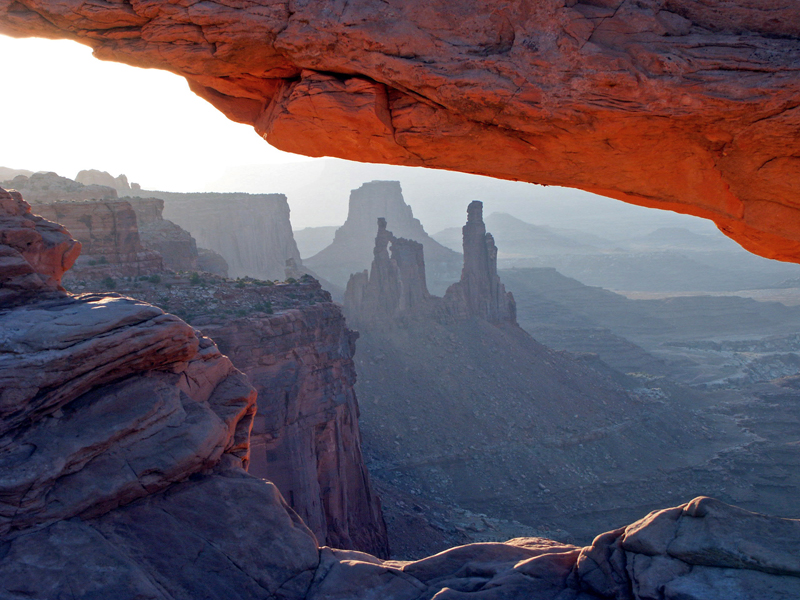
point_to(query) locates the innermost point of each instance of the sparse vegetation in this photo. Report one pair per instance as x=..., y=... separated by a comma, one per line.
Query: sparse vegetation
x=156, y=279
x=109, y=283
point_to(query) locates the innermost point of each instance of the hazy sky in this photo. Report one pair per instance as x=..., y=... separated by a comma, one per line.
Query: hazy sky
x=63, y=110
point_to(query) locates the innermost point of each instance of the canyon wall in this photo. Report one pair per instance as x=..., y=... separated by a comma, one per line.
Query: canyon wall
x=306, y=438
x=110, y=236
x=353, y=243
x=252, y=232
x=676, y=104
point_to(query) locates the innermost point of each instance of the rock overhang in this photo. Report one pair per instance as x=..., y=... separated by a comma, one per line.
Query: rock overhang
x=673, y=104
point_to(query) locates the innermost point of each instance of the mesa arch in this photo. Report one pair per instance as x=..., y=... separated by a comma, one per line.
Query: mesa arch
x=688, y=105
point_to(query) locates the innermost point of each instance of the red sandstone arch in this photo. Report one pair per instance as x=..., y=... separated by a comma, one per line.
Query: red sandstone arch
x=689, y=105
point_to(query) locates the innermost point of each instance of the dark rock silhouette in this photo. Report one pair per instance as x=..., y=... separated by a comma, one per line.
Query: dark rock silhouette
x=480, y=292
x=395, y=285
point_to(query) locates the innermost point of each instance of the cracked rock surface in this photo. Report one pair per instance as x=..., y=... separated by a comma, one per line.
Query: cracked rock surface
x=680, y=104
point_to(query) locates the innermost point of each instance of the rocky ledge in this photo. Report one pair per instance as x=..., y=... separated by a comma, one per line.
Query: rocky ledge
x=124, y=439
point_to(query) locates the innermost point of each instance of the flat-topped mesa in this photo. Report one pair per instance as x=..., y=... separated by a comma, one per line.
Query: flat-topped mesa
x=252, y=232
x=480, y=292
x=95, y=177
x=352, y=247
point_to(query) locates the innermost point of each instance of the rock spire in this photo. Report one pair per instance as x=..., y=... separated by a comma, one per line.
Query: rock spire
x=480, y=292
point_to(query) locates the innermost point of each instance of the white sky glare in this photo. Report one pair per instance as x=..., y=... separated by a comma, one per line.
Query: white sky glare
x=63, y=110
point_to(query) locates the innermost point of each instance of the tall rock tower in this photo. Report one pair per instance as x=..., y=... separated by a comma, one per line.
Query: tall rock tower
x=480, y=292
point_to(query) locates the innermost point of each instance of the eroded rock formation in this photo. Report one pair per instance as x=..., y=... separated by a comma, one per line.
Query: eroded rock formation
x=306, y=437
x=394, y=287
x=109, y=233
x=124, y=417
x=353, y=246
x=95, y=177
x=46, y=188
x=678, y=104
x=480, y=292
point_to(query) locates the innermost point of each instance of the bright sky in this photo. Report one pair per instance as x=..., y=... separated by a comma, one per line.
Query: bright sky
x=63, y=110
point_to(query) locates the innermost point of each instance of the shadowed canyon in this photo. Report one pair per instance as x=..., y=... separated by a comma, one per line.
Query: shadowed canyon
x=198, y=400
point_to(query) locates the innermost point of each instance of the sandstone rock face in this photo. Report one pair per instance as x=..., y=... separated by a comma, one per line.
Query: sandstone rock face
x=123, y=441
x=35, y=253
x=675, y=104
x=352, y=247
x=252, y=232
x=95, y=177
x=109, y=233
x=480, y=292
x=306, y=438
x=175, y=244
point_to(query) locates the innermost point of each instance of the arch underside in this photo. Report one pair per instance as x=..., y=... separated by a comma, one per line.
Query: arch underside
x=676, y=104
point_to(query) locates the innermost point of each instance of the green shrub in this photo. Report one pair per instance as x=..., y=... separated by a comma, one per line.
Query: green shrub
x=109, y=283
x=195, y=279
x=92, y=263
x=154, y=279
x=265, y=307
x=291, y=280
x=102, y=261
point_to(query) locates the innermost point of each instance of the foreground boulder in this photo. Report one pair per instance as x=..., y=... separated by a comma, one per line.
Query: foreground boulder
x=124, y=438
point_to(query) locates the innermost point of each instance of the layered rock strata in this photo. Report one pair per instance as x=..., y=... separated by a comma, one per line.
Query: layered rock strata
x=123, y=441
x=109, y=233
x=352, y=246
x=677, y=104
x=306, y=438
x=480, y=292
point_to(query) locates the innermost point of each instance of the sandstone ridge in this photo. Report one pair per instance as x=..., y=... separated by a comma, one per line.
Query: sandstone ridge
x=677, y=104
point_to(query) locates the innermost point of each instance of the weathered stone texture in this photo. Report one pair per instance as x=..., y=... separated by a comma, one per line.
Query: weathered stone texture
x=34, y=253
x=677, y=104
x=306, y=438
